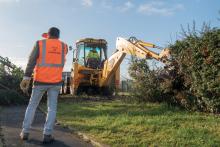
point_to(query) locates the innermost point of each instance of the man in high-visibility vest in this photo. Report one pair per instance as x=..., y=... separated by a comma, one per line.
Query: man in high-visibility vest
x=93, y=59
x=46, y=61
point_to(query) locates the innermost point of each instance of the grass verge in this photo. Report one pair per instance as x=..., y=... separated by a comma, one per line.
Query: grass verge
x=121, y=124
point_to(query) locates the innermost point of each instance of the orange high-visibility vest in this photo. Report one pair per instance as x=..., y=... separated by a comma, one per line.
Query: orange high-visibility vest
x=50, y=63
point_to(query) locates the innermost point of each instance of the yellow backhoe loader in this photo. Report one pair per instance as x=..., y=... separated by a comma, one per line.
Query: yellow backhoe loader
x=92, y=72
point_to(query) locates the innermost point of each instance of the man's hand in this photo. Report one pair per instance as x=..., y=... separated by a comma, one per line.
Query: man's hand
x=24, y=85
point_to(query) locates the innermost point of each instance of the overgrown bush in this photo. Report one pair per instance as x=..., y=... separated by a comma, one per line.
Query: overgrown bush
x=198, y=57
x=146, y=86
x=11, y=79
x=10, y=92
x=195, y=82
x=8, y=97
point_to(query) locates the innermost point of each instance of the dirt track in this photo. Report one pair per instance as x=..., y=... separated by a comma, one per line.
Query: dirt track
x=10, y=126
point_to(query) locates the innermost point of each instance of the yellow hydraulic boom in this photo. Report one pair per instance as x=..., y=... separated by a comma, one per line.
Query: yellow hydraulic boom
x=133, y=47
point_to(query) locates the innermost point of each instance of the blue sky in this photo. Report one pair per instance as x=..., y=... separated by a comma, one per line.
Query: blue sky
x=158, y=21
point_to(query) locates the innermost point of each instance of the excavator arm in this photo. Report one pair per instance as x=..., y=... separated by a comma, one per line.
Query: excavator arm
x=139, y=48
x=133, y=47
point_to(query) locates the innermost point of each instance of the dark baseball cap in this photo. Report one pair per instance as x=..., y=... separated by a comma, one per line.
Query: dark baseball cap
x=54, y=32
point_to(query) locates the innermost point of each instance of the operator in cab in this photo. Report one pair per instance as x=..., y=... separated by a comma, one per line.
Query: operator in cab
x=93, y=59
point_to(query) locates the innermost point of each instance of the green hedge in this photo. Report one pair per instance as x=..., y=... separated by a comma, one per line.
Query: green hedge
x=198, y=58
x=195, y=81
x=145, y=85
x=8, y=97
x=10, y=92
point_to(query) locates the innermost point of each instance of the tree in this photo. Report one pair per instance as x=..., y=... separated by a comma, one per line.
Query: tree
x=145, y=86
x=195, y=81
x=198, y=56
x=10, y=92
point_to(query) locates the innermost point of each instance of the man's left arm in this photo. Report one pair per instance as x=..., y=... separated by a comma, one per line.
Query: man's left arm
x=24, y=85
x=32, y=61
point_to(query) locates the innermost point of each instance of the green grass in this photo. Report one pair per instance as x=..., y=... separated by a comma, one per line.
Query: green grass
x=121, y=124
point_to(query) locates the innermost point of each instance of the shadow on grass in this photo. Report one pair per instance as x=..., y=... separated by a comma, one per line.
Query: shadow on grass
x=114, y=109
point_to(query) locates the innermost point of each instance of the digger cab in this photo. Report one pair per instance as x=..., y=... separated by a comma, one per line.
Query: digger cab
x=91, y=53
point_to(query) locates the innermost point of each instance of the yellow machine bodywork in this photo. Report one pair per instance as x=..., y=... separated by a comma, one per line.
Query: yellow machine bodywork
x=106, y=76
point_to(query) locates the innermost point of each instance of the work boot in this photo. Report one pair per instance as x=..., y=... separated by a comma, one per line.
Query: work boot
x=24, y=136
x=48, y=139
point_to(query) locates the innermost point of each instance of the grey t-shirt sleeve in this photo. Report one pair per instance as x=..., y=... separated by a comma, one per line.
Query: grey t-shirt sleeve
x=32, y=60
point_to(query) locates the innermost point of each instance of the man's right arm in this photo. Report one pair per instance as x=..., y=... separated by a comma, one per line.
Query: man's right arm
x=32, y=61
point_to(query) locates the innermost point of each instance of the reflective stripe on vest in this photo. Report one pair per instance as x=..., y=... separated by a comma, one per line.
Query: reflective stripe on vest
x=43, y=60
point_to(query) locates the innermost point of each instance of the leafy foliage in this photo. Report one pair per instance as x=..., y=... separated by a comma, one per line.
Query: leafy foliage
x=10, y=92
x=146, y=86
x=195, y=81
x=8, y=97
x=198, y=57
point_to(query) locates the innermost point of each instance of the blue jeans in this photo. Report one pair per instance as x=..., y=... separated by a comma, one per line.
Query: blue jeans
x=37, y=93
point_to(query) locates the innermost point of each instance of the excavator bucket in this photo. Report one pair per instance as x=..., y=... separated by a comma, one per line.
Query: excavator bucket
x=165, y=53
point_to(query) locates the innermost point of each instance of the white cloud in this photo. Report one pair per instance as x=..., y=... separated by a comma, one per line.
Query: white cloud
x=127, y=5
x=87, y=3
x=9, y=1
x=159, y=8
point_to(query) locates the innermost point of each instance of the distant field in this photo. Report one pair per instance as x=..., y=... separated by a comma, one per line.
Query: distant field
x=120, y=124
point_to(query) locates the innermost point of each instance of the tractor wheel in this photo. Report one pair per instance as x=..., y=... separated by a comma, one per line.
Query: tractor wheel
x=107, y=91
